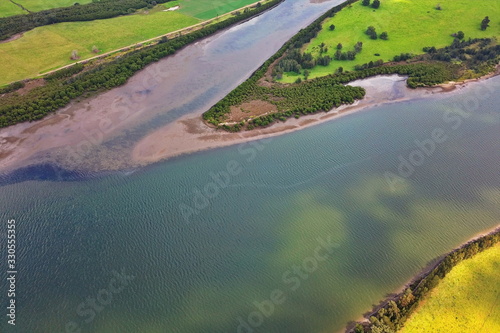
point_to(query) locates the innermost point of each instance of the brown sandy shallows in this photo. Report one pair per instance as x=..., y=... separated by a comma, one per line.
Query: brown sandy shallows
x=86, y=125
x=189, y=134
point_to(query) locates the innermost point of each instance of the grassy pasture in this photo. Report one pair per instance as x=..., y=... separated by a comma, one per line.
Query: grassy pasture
x=467, y=300
x=206, y=9
x=7, y=8
x=38, y=5
x=411, y=25
x=46, y=48
x=49, y=47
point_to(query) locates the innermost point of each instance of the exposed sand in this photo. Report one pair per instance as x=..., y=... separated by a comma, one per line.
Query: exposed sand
x=74, y=136
x=189, y=134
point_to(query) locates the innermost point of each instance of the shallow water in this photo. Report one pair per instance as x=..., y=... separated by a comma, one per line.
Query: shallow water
x=99, y=133
x=201, y=263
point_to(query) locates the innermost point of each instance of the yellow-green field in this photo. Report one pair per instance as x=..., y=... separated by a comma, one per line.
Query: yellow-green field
x=49, y=47
x=38, y=5
x=467, y=300
x=411, y=25
x=7, y=8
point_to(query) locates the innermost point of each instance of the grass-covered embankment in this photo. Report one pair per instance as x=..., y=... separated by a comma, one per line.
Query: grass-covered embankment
x=261, y=101
x=458, y=294
x=467, y=300
x=49, y=47
x=68, y=84
x=410, y=25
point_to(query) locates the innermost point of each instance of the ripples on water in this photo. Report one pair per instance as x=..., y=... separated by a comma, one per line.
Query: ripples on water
x=201, y=272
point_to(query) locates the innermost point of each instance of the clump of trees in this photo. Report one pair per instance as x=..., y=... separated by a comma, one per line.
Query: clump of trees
x=392, y=316
x=365, y=3
x=12, y=87
x=459, y=35
x=370, y=31
x=376, y=4
x=384, y=35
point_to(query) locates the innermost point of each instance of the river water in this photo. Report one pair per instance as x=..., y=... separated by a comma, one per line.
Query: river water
x=324, y=221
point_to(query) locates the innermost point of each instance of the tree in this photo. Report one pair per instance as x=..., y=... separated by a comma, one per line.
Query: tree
x=438, y=6
x=384, y=35
x=339, y=46
x=359, y=328
x=306, y=74
x=95, y=49
x=486, y=23
x=299, y=80
x=74, y=55
x=358, y=47
x=366, y=3
x=370, y=31
x=460, y=35
x=332, y=27
x=376, y=4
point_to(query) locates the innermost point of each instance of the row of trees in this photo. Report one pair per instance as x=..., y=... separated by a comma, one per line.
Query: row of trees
x=371, y=31
x=64, y=86
x=102, y=9
x=392, y=316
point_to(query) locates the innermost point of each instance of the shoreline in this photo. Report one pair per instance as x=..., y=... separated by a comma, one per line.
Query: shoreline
x=364, y=318
x=53, y=139
x=172, y=140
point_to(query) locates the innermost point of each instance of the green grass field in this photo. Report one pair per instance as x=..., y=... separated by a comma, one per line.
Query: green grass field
x=411, y=25
x=38, y=5
x=467, y=300
x=49, y=47
x=7, y=8
x=209, y=9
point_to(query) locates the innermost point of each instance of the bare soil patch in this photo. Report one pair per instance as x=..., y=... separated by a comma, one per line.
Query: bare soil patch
x=250, y=109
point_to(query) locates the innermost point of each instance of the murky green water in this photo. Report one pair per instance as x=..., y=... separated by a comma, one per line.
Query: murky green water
x=260, y=227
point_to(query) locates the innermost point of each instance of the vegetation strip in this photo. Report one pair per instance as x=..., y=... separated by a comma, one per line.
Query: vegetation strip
x=394, y=312
x=66, y=86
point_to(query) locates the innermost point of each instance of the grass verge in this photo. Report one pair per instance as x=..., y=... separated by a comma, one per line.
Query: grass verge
x=467, y=300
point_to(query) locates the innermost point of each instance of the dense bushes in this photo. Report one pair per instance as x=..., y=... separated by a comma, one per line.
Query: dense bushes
x=102, y=9
x=11, y=87
x=392, y=316
x=61, y=88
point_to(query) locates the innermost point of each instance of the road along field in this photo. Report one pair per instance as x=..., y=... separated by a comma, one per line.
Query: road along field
x=411, y=26
x=467, y=300
x=50, y=47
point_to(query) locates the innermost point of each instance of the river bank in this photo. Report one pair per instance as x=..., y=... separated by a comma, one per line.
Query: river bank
x=190, y=134
x=416, y=279
x=65, y=137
